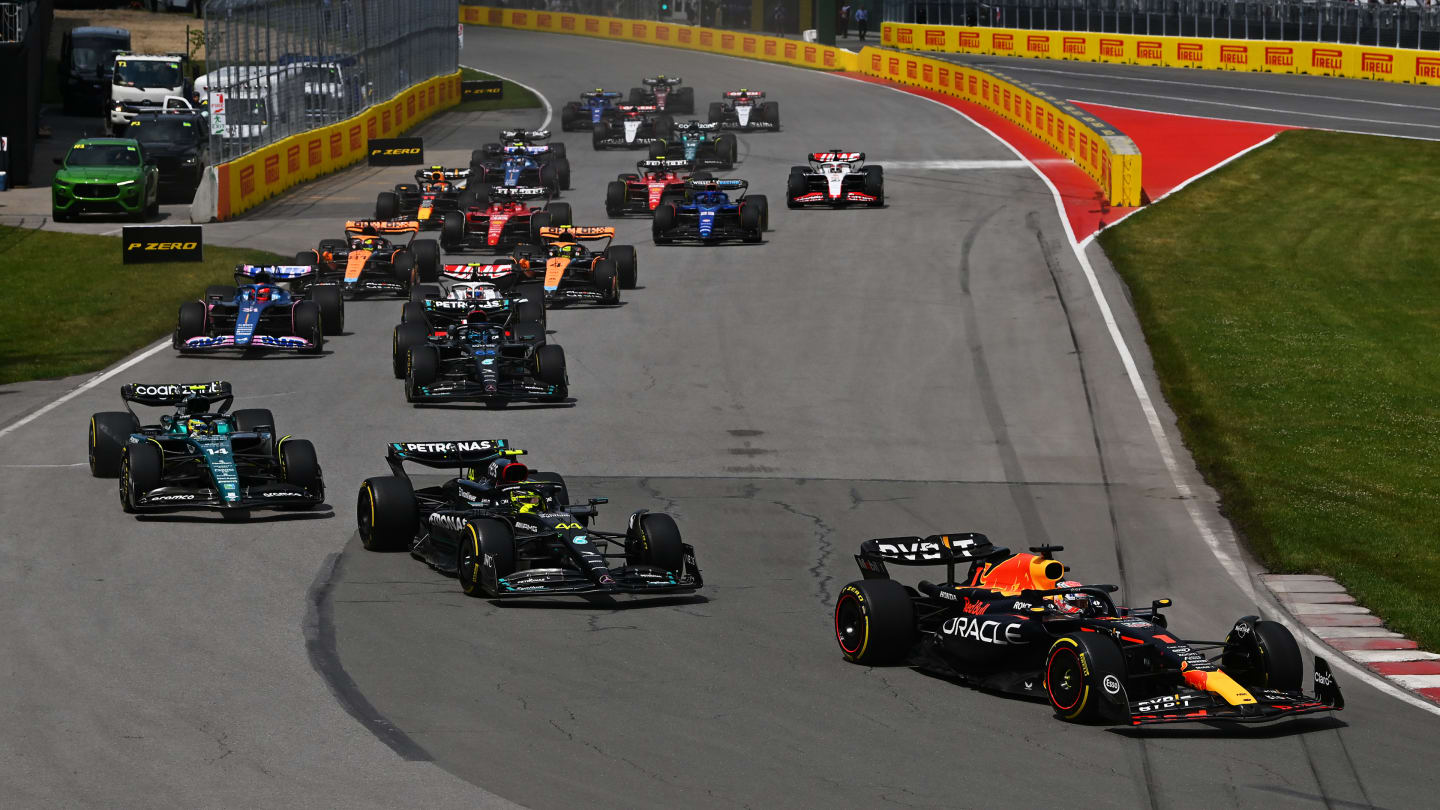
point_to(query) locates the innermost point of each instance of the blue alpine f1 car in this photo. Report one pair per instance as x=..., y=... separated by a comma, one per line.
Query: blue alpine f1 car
x=269, y=312
x=708, y=215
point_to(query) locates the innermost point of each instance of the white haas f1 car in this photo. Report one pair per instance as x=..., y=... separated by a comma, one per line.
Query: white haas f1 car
x=745, y=109
x=835, y=178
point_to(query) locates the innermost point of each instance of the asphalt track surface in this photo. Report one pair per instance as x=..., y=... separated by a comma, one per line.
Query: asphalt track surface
x=938, y=365
x=1350, y=105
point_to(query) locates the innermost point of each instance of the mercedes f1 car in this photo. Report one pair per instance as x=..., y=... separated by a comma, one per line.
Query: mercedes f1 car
x=520, y=159
x=593, y=107
x=480, y=360
x=708, y=215
x=745, y=109
x=463, y=299
x=637, y=128
x=263, y=314
x=504, y=530
x=655, y=182
x=201, y=457
x=1013, y=625
x=366, y=262
x=573, y=271
x=436, y=190
x=703, y=145
x=499, y=219
x=664, y=93
x=835, y=178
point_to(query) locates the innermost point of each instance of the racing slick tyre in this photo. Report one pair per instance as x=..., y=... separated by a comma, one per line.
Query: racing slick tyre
x=477, y=164
x=386, y=514
x=727, y=149
x=309, y=324
x=716, y=113
x=300, y=466
x=874, y=622
x=248, y=420
x=482, y=194
x=752, y=218
x=550, y=179
x=221, y=292
x=412, y=333
x=698, y=176
x=682, y=100
x=606, y=278
x=422, y=292
x=875, y=183
x=550, y=369
x=466, y=200
x=763, y=203
x=422, y=366
x=568, y=114
x=538, y=220
x=795, y=186
x=770, y=111
x=140, y=470
x=654, y=539
x=1262, y=655
x=191, y=322
x=560, y=214
x=452, y=230
x=615, y=198
x=627, y=267
x=484, y=541
x=562, y=172
x=306, y=258
x=664, y=127
x=562, y=492
x=109, y=433
x=1084, y=678
x=599, y=134
x=332, y=307
x=558, y=150
x=531, y=303
x=387, y=205
x=655, y=151
x=412, y=312
x=427, y=259
x=402, y=266
x=637, y=95
x=663, y=223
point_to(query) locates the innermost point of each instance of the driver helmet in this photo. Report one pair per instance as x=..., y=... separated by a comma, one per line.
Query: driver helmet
x=263, y=293
x=481, y=291
x=565, y=250
x=1069, y=604
x=525, y=500
x=196, y=426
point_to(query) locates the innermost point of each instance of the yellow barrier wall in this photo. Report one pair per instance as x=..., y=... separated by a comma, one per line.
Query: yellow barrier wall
x=1256, y=56
x=247, y=181
x=733, y=43
x=1101, y=151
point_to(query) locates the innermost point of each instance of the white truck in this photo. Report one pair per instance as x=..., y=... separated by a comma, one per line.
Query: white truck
x=143, y=81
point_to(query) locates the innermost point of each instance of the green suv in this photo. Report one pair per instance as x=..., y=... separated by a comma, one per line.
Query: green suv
x=109, y=175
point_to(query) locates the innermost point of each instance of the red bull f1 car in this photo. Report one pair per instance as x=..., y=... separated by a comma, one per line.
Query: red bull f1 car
x=653, y=182
x=504, y=530
x=745, y=109
x=435, y=191
x=1013, y=624
x=835, y=179
x=499, y=219
x=665, y=93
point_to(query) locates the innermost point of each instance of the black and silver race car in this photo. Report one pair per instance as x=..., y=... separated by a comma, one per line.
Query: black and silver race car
x=835, y=179
x=504, y=530
x=666, y=93
x=480, y=360
x=201, y=457
x=463, y=298
x=1013, y=624
x=746, y=109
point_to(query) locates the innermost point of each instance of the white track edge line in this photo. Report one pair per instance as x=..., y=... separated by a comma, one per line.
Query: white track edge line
x=1232, y=566
x=549, y=111
x=1371, y=133
x=83, y=387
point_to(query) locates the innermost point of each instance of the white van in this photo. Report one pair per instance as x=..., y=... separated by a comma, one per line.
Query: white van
x=143, y=80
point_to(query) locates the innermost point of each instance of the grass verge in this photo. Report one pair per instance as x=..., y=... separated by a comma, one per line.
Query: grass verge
x=70, y=306
x=1292, y=304
x=512, y=97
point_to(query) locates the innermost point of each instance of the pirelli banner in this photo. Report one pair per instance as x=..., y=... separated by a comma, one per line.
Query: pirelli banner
x=1256, y=56
x=1104, y=153
x=247, y=181
x=714, y=40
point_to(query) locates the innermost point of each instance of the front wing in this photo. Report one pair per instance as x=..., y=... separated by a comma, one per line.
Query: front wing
x=1190, y=706
x=252, y=496
x=633, y=579
x=525, y=390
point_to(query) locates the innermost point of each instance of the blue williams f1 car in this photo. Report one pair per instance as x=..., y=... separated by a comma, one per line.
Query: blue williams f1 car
x=593, y=107
x=504, y=530
x=201, y=457
x=707, y=214
x=263, y=314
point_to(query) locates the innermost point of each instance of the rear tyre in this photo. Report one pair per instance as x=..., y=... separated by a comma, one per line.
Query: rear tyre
x=615, y=198
x=140, y=469
x=1262, y=655
x=656, y=150
x=405, y=336
x=1084, y=678
x=387, y=205
x=530, y=303
x=560, y=214
x=627, y=267
x=752, y=220
x=664, y=222
x=874, y=622
x=664, y=127
x=301, y=466
x=683, y=100
x=385, y=513
x=599, y=134
x=550, y=179
x=716, y=112
x=484, y=544
x=568, y=116
x=422, y=292
x=770, y=111
x=452, y=231
x=109, y=433
x=412, y=312
x=191, y=321
x=637, y=95
x=309, y=325
x=562, y=171
x=427, y=259
x=332, y=307
x=249, y=420
x=655, y=540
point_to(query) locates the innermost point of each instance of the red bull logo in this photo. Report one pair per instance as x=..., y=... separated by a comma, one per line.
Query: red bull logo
x=1003, y=42
x=1190, y=52
x=1234, y=55
x=1377, y=62
x=1037, y=44
x=1427, y=67
x=935, y=36
x=1326, y=58
x=1279, y=56
x=1148, y=49
x=1073, y=46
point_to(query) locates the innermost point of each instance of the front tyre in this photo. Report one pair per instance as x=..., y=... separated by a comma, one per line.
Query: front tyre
x=140, y=471
x=386, y=515
x=485, y=546
x=1084, y=679
x=300, y=466
x=109, y=433
x=874, y=622
x=654, y=539
x=1262, y=655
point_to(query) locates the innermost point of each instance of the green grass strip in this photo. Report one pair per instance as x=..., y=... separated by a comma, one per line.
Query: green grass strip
x=1292, y=304
x=70, y=306
x=512, y=97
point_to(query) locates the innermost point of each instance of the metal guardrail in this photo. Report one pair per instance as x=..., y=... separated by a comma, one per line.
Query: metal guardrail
x=14, y=20
x=288, y=66
x=1408, y=24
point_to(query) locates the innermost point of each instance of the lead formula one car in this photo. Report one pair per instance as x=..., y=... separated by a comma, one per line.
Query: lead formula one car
x=708, y=215
x=666, y=93
x=201, y=457
x=505, y=531
x=836, y=179
x=1013, y=624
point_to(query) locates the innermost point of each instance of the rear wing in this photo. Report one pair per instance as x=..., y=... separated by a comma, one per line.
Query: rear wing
x=376, y=227
x=656, y=80
x=524, y=150
x=273, y=272
x=447, y=454
x=837, y=157
x=608, y=95
x=474, y=271
x=661, y=163
x=744, y=94
x=421, y=175
x=524, y=134
x=727, y=184
x=937, y=549
x=162, y=394
x=637, y=108
x=686, y=126
x=580, y=233
x=519, y=192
